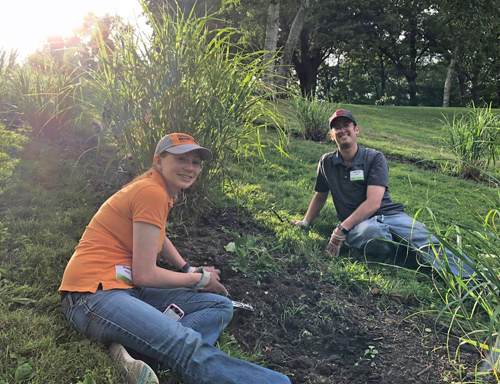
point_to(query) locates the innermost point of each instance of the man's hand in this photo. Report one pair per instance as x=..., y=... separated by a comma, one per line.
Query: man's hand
x=212, y=284
x=335, y=244
x=301, y=223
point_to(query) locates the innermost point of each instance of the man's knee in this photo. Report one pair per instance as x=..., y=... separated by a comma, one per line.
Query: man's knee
x=369, y=237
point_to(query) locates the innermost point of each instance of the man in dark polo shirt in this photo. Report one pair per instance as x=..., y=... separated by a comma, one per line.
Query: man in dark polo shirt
x=358, y=179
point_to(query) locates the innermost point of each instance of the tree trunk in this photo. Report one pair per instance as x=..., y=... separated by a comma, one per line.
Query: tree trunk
x=291, y=43
x=271, y=42
x=475, y=87
x=382, y=73
x=308, y=64
x=447, y=83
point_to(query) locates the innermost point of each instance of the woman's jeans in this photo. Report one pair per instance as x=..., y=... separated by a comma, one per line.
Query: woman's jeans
x=379, y=234
x=134, y=318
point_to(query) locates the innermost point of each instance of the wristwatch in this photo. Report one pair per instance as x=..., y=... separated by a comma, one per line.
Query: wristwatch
x=342, y=229
x=185, y=268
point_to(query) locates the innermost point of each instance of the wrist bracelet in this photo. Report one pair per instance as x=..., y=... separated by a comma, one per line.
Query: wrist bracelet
x=342, y=229
x=199, y=282
x=185, y=268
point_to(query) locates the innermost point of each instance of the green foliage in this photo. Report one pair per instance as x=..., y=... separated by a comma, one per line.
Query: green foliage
x=7, y=65
x=252, y=257
x=49, y=98
x=474, y=139
x=472, y=304
x=11, y=144
x=185, y=78
x=312, y=116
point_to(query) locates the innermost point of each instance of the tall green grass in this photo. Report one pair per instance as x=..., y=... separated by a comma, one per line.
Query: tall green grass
x=474, y=140
x=312, y=116
x=48, y=98
x=186, y=78
x=7, y=65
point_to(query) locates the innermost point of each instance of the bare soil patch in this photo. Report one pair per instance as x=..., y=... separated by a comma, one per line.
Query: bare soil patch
x=316, y=331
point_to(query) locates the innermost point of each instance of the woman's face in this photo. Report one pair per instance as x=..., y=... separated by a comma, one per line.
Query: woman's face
x=179, y=171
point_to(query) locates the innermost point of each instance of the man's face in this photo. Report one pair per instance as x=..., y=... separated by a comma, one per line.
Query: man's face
x=344, y=132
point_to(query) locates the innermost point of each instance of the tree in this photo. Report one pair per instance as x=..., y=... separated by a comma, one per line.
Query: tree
x=291, y=42
x=406, y=32
x=270, y=45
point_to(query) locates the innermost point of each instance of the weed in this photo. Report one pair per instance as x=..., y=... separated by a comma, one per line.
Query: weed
x=312, y=116
x=49, y=98
x=473, y=138
x=369, y=355
x=251, y=257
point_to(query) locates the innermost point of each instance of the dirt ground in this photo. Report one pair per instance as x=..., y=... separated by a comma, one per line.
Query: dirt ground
x=318, y=332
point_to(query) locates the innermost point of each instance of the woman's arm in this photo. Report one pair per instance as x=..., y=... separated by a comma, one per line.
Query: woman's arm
x=145, y=272
x=170, y=254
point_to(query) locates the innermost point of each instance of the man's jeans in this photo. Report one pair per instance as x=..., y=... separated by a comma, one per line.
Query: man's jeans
x=376, y=236
x=134, y=318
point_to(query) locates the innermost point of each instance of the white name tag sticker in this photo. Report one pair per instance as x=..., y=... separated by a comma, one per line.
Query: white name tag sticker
x=124, y=273
x=357, y=175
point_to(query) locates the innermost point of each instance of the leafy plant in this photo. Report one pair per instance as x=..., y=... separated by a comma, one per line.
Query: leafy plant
x=7, y=65
x=48, y=98
x=474, y=140
x=11, y=144
x=472, y=305
x=312, y=116
x=185, y=78
x=251, y=257
x=370, y=353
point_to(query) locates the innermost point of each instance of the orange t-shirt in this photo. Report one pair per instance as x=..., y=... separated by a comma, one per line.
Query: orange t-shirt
x=104, y=254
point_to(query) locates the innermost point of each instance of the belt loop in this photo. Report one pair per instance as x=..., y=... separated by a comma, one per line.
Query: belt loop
x=69, y=297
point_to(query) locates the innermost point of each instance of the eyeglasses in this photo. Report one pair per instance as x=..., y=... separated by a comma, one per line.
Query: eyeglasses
x=339, y=126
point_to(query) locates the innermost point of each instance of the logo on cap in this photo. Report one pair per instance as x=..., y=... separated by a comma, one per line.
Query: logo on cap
x=185, y=138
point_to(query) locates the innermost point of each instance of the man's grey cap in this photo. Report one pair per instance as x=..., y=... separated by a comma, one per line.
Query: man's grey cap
x=342, y=113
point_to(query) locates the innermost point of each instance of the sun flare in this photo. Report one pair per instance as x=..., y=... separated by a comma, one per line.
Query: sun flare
x=25, y=25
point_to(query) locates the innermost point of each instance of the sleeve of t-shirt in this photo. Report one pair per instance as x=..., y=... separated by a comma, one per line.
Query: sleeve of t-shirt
x=321, y=184
x=379, y=171
x=150, y=205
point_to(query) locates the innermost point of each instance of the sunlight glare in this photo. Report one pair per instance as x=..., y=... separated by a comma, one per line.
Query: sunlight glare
x=25, y=25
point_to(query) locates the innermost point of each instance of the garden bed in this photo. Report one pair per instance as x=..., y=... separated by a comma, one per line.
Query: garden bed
x=317, y=331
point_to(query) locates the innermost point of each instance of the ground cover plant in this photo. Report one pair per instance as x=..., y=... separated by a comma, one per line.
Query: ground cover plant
x=315, y=318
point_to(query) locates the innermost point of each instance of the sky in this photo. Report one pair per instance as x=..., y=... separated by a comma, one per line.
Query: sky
x=25, y=24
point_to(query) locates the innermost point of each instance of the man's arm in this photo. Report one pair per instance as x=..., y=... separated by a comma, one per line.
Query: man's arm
x=374, y=196
x=315, y=207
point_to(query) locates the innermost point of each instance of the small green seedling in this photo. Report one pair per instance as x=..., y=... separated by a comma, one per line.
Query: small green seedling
x=371, y=352
x=369, y=355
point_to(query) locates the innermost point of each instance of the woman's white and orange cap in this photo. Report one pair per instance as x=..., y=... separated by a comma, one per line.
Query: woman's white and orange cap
x=177, y=143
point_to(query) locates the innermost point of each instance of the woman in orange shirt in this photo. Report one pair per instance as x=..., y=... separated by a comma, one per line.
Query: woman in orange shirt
x=113, y=291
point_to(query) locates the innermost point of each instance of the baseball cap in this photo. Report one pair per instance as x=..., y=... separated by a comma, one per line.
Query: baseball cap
x=177, y=143
x=342, y=113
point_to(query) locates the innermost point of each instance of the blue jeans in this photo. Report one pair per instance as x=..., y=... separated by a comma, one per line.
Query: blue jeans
x=378, y=234
x=134, y=318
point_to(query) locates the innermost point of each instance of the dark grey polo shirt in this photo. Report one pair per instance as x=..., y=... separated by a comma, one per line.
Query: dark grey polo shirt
x=348, y=184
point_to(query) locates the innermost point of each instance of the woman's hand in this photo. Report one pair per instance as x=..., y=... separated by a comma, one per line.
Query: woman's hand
x=212, y=284
x=207, y=269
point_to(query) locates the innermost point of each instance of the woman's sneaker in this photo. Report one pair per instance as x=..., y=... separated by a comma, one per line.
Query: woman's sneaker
x=137, y=371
